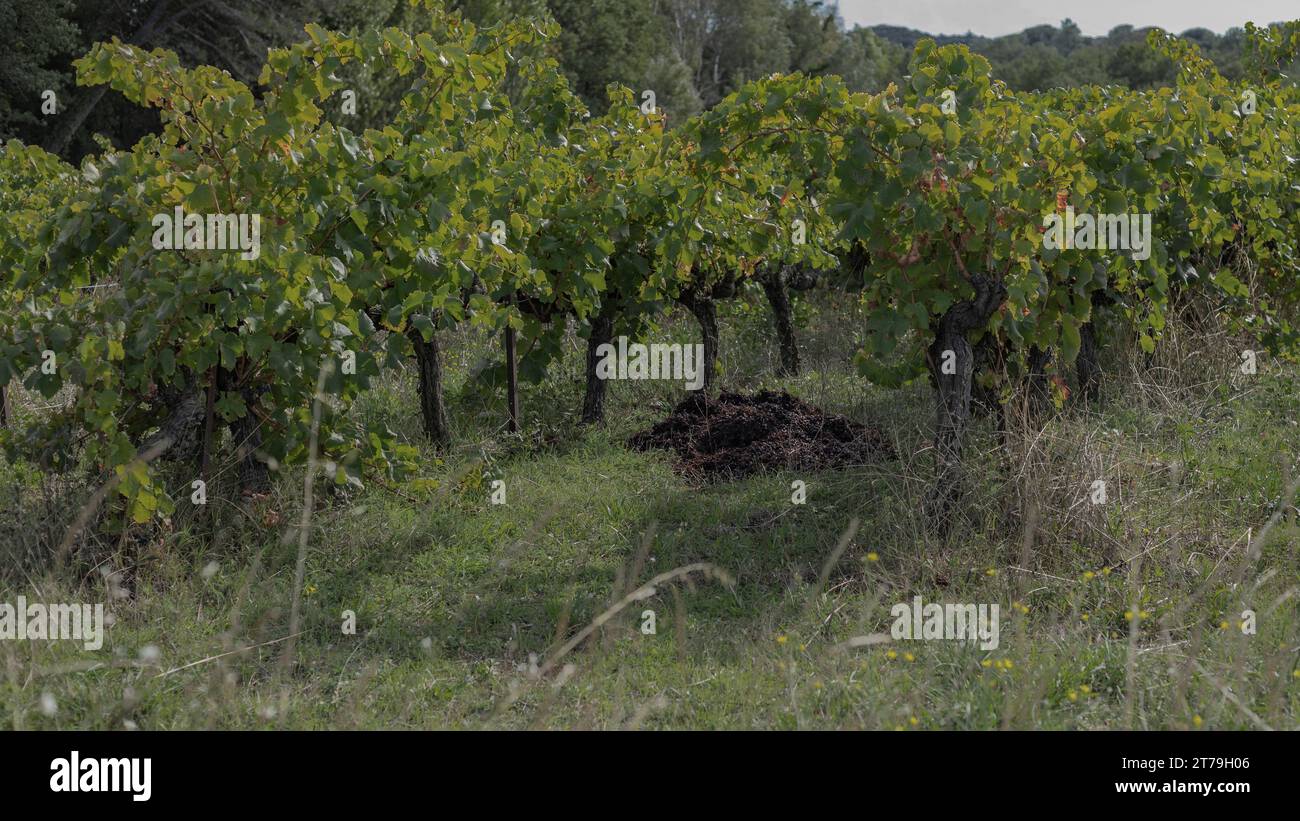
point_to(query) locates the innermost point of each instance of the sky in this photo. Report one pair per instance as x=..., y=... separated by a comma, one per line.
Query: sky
x=1095, y=17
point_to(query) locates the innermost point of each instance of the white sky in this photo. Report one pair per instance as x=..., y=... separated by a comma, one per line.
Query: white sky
x=1094, y=17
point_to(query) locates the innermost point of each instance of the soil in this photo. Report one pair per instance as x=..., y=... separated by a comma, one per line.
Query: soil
x=734, y=435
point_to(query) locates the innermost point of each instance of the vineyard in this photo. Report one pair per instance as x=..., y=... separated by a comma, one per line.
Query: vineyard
x=281, y=366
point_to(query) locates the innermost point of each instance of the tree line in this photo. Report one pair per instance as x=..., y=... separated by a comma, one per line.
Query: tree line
x=693, y=53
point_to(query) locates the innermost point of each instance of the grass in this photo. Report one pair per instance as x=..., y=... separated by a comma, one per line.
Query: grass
x=462, y=606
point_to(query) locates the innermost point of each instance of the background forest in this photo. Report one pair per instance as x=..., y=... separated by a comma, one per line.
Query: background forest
x=692, y=52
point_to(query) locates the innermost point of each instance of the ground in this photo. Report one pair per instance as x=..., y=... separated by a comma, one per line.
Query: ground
x=1113, y=615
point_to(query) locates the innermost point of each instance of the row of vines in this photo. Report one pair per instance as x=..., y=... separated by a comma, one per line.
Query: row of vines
x=493, y=198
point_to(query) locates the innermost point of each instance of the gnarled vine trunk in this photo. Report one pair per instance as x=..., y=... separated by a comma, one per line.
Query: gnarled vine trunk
x=952, y=362
x=773, y=281
x=593, y=401
x=433, y=411
x=1088, y=364
x=706, y=313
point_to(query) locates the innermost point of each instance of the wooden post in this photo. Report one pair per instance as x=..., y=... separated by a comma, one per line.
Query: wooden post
x=512, y=379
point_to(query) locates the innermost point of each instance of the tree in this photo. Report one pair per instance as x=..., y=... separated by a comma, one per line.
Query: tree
x=34, y=34
x=614, y=41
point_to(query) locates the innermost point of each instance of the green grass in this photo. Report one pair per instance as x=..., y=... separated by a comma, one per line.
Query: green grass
x=458, y=601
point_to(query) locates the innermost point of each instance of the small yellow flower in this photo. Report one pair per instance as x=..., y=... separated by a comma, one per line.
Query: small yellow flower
x=991, y=572
x=873, y=556
x=1085, y=616
x=914, y=721
x=1295, y=674
x=1128, y=615
x=1197, y=721
x=803, y=647
x=909, y=657
x=1007, y=663
x=1223, y=625
x=986, y=663
x=1085, y=689
x=1105, y=571
x=1144, y=614
x=781, y=639
x=1088, y=575
x=1073, y=695
x=891, y=654
x=817, y=685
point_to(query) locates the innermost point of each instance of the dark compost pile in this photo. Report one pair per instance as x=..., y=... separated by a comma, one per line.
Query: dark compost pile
x=734, y=435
